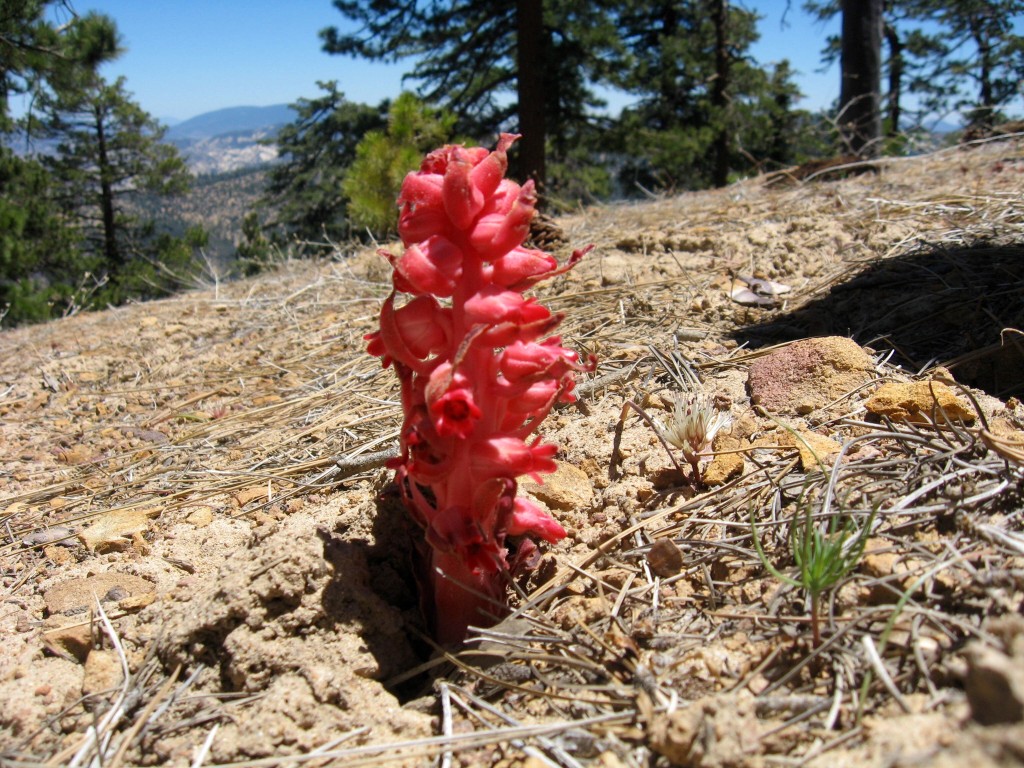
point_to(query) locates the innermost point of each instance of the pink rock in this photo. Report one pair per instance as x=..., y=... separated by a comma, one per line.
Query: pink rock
x=808, y=374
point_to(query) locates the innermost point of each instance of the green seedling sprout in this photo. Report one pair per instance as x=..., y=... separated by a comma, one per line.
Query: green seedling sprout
x=823, y=558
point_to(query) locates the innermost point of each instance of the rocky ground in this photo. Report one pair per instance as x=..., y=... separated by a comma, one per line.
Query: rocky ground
x=203, y=563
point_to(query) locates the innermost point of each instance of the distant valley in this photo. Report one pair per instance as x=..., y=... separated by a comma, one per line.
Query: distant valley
x=229, y=140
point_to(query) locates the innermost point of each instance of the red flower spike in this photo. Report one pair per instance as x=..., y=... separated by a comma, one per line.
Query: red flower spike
x=478, y=375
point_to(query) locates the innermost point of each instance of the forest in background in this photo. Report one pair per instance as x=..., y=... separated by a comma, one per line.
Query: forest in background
x=110, y=212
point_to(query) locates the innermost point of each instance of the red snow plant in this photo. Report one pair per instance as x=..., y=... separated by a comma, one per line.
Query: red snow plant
x=479, y=371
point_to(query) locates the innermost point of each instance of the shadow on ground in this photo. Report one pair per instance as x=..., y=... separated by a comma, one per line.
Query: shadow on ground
x=962, y=307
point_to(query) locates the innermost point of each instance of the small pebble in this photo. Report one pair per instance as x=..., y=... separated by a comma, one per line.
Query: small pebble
x=665, y=558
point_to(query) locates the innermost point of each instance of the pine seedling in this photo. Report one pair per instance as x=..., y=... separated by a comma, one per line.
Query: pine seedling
x=824, y=554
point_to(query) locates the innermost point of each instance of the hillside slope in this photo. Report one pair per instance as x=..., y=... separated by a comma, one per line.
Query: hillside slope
x=173, y=506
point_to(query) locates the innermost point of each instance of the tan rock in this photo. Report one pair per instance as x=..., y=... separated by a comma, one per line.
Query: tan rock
x=712, y=731
x=256, y=492
x=813, y=448
x=66, y=637
x=200, y=517
x=113, y=530
x=808, y=374
x=566, y=488
x=81, y=594
x=919, y=402
x=994, y=685
x=103, y=674
x=136, y=602
x=722, y=469
x=879, y=558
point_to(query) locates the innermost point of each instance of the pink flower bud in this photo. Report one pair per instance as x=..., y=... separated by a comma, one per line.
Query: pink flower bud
x=519, y=264
x=462, y=200
x=421, y=207
x=506, y=454
x=433, y=266
x=530, y=520
x=489, y=172
x=497, y=233
x=413, y=332
x=533, y=399
x=527, y=360
x=494, y=305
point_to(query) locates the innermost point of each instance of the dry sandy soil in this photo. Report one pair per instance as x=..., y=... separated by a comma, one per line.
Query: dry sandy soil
x=203, y=562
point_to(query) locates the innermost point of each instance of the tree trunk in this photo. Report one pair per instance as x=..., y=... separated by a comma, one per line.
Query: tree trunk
x=530, y=89
x=719, y=94
x=111, y=252
x=892, y=38
x=984, y=113
x=860, y=120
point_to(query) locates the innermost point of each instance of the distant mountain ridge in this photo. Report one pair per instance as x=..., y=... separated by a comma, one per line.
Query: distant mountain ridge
x=231, y=120
x=230, y=139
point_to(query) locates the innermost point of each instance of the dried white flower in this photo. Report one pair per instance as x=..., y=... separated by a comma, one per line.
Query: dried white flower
x=694, y=425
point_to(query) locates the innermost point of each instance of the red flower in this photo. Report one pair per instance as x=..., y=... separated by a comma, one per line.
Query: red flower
x=412, y=333
x=476, y=380
x=520, y=264
x=527, y=360
x=454, y=529
x=455, y=413
x=421, y=209
x=498, y=232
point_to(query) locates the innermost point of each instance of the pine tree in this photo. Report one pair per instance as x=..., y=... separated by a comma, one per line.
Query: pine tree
x=304, y=191
x=981, y=50
x=944, y=55
x=109, y=149
x=384, y=157
x=109, y=154
x=524, y=66
x=41, y=265
x=703, y=105
x=42, y=269
x=32, y=49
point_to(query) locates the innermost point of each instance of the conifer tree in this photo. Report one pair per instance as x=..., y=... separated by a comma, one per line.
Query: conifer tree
x=41, y=264
x=981, y=63
x=703, y=108
x=317, y=149
x=384, y=157
x=109, y=150
x=943, y=55
x=524, y=66
x=107, y=154
x=860, y=62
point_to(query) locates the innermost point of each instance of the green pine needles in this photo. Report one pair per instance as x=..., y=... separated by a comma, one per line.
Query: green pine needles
x=825, y=551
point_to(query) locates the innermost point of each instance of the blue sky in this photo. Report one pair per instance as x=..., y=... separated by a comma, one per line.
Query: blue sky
x=186, y=57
